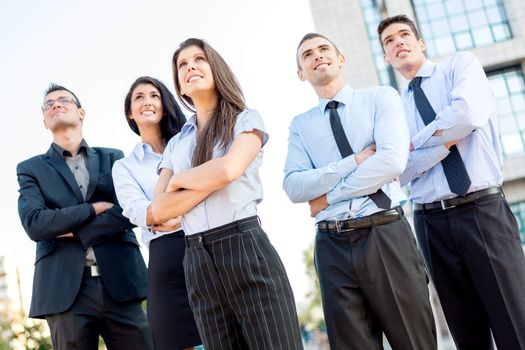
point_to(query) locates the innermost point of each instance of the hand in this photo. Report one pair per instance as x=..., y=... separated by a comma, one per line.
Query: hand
x=69, y=234
x=172, y=187
x=318, y=204
x=411, y=147
x=101, y=207
x=438, y=133
x=365, y=153
x=451, y=143
x=170, y=225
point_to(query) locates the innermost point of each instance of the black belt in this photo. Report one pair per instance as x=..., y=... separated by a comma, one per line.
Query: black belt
x=222, y=231
x=382, y=217
x=457, y=201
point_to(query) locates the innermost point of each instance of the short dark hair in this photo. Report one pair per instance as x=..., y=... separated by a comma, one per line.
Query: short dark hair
x=55, y=87
x=396, y=19
x=173, y=118
x=310, y=36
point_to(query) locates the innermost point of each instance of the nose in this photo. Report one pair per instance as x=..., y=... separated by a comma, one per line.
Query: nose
x=191, y=66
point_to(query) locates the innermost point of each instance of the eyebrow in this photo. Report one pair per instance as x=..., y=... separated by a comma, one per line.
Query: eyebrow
x=62, y=96
x=398, y=32
x=318, y=47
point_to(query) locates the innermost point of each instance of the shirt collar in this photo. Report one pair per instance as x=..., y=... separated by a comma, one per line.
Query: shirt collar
x=64, y=153
x=344, y=97
x=190, y=124
x=426, y=70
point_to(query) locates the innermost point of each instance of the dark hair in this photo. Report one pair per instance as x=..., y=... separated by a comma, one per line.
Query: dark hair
x=219, y=128
x=172, y=120
x=396, y=19
x=310, y=36
x=55, y=87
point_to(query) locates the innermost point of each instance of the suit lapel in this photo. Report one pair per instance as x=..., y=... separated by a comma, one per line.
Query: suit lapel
x=93, y=166
x=60, y=165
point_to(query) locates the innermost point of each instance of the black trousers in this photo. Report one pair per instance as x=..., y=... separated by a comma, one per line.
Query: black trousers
x=372, y=282
x=123, y=326
x=475, y=258
x=239, y=291
x=169, y=313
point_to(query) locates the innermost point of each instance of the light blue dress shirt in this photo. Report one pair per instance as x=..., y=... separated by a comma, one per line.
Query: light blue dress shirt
x=314, y=165
x=460, y=94
x=135, y=178
x=239, y=199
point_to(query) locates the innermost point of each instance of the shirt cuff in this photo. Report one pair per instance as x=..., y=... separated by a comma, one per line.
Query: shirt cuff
x=424, y=135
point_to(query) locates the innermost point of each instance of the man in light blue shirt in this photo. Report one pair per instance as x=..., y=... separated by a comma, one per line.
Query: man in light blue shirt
x=465, y=228
x=371, y=276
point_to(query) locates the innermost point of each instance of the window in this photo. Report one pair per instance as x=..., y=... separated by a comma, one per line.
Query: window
x=508, y=86
x=453, y=25
x=372, y=16
x=519, y=212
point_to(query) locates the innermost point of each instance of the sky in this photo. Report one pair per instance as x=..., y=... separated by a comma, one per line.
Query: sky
x=97, y=49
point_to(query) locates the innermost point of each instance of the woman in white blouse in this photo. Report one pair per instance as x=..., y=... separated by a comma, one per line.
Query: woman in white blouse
x=238, y=287
x=153, y=114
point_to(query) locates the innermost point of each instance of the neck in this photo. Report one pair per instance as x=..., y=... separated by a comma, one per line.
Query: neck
x=68, y=139
x=204, y=104
x=410, y=72
x=330, y=89
x=153, y=137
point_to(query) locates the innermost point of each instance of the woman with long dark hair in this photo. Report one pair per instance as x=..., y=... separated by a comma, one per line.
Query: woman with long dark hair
x=238, y=288
x=153, y=114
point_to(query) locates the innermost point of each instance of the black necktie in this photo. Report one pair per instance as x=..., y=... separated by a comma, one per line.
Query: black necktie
x=379, y=198
x=453, y=166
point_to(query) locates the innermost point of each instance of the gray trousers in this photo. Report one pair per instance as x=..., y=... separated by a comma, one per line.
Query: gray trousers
x=239, y=291
x=123, y=326
x=372, y=282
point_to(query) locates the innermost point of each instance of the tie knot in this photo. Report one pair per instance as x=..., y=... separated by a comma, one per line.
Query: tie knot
x=416, y=82
x=332, y=104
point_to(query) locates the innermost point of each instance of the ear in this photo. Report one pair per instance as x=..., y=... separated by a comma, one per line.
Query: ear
x=387, y=59
x=421, y=44
x=342, y=59
x=81, y=114
x=300, y=74
x=45, y=124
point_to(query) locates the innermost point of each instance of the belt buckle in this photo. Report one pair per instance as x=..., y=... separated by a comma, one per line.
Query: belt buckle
x=338, y=227
x=94, y=271
x=444, y=205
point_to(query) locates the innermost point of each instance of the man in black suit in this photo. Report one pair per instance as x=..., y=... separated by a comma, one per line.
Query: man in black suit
x=89, y=274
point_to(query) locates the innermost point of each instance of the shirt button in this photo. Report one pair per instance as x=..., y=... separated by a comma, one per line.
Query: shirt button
x=80, y=186
x=76, y=167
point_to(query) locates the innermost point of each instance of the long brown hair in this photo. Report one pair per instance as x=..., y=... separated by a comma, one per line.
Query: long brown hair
x=219, y=128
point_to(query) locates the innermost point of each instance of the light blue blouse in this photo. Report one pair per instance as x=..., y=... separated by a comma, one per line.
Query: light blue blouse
x=135, y=178
x=237, y=200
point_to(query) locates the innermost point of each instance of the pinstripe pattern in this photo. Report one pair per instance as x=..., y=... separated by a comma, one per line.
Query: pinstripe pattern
x=239, y=291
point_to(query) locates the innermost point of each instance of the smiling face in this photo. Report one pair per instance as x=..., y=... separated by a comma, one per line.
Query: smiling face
x=146, y=105
x=319, y=62
x=402, y=49
x=194, y=73
x=61, y=111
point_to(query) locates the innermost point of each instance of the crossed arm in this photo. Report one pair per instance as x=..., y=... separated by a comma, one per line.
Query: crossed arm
x=91, y=222
x=177, y=193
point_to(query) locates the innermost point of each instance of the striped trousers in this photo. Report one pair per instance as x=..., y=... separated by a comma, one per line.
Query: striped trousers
x=238, y=289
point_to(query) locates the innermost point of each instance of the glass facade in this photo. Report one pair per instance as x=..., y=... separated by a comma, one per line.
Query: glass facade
x=508, y=86
x=372, y=15
x=519, y=212
x=454, y=25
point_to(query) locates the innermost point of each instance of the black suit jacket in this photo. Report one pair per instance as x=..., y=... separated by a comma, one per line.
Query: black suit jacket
x=51, y=204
